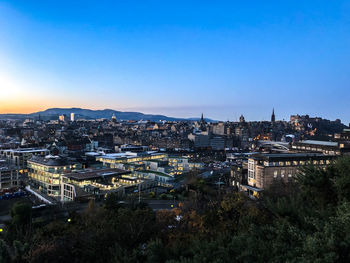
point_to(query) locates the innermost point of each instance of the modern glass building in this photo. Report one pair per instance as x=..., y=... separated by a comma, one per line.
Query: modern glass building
x=45, y=173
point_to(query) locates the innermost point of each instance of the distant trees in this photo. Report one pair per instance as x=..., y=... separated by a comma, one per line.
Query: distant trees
x=307, y=221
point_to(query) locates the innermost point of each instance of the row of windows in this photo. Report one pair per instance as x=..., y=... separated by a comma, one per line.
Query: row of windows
x=44, y=179
x=297, y=163
x=58, y=169
x=283, y=174
x=251, y=174
x=68, y=195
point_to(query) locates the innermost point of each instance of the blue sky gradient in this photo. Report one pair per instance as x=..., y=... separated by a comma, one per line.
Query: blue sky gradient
x=178, y=58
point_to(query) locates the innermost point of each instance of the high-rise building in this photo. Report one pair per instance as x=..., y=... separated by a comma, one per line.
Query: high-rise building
x=72, y=117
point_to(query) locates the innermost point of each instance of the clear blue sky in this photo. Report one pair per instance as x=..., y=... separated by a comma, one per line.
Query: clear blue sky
x=179, y=58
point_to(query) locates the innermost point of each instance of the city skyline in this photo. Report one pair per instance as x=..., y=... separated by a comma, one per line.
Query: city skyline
x=74, y=110
x=178, y=60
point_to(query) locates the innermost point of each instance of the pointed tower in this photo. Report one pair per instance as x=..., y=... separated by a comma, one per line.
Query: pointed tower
x=241, y=119
x=273, y=117
x=203, y=123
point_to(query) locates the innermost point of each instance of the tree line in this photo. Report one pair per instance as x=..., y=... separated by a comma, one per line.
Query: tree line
x=307, y=220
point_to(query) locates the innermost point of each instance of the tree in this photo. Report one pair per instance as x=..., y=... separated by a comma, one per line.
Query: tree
x=21, y=214
x=4, y=254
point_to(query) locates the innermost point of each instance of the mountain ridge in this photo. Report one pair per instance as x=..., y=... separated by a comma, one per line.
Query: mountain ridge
x=97, y=114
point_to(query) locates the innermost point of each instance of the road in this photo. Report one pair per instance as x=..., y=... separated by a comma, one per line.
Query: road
x=161, y=204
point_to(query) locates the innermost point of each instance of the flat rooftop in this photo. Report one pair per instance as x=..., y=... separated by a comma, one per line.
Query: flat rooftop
x=289, y=156
x=90, y=174
x=49, y=160
x=155, y=172
x=26, y=150
x=320, y=143
x=127, y=155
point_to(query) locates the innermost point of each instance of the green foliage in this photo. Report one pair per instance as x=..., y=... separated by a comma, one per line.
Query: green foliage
x=163, y=196
x=21, y=214
x=4, y=254
x=156, y=252
x=111, y=202
x=306, y=221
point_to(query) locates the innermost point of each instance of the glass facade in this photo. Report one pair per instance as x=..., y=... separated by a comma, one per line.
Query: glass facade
x=47, y=178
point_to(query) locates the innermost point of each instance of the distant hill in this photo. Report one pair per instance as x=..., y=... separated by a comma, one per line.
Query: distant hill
x=53, y=113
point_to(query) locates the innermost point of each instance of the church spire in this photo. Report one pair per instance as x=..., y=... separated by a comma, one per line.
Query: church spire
x=273, y=117
x=203, y=123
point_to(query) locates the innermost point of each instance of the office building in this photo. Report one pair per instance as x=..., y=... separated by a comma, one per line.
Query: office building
x=20, y=156
x=265, y=169
x=45, y=173
x=9, y=175
x=94, y=183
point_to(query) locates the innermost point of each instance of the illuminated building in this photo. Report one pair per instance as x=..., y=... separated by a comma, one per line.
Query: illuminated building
x=88, y=183
x=324, y=147
x=114, y=118
x=72, y=117
x=62, y=118
x=180, y=165
x=162, y=179
x=265, y=169
x=110, y=160
x=45, y=173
